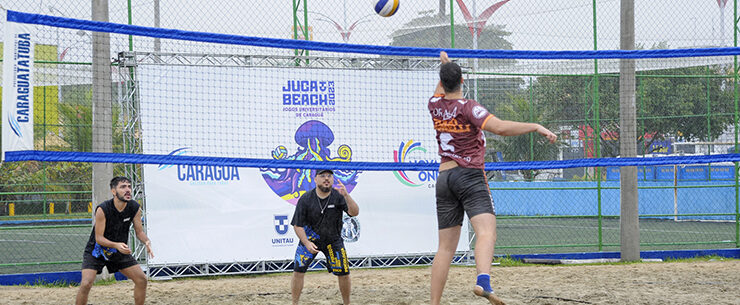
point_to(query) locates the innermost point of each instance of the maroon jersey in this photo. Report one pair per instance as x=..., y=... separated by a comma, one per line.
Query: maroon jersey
x=458, y=124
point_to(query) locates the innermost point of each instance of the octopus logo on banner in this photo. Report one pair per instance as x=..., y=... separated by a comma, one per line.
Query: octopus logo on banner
x=403, y=154
x=314, y=138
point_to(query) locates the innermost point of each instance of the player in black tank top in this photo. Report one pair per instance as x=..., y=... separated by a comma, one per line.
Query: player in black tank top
x=107, y=246
x=117, y=223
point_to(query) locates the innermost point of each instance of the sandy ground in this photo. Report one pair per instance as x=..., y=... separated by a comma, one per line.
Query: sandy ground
x=712, y=282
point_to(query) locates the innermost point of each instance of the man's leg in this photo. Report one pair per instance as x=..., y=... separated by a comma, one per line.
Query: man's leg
x=448, y=238
x=296, y=286
x=139, y=278
x=344, y=287
x=484, y=225
x=88, y=278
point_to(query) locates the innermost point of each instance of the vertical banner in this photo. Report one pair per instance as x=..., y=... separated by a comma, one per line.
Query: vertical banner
x=17, y=112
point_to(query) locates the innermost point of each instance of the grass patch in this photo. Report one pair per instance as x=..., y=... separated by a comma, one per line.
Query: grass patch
x=507, y=261
x=66, y=284
x=54, y=284
x=709, y=258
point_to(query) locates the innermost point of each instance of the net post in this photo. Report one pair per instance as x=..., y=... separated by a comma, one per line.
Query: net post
x=102, y=125
x=595, y=94
x=629, y=217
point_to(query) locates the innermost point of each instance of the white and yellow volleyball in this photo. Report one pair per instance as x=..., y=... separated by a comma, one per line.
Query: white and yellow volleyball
x=386, y=8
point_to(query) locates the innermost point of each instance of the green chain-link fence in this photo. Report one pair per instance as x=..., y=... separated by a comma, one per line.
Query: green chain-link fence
x=684, y=106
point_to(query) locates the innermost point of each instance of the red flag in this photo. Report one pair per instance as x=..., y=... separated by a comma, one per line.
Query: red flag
x=721, y=3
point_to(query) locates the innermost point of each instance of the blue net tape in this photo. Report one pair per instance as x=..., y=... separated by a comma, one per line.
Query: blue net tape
x=89, y=25
x=65, y=156
x=126, y=29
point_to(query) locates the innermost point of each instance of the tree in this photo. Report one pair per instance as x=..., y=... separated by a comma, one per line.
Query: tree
x=524, y=147
x=76, y=135
x=669, y=105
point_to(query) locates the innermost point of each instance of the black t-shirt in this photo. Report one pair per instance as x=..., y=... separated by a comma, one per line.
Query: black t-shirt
x=323, y=216
x=117, y=224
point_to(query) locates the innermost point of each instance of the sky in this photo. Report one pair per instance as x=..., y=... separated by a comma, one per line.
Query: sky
x=534, y=24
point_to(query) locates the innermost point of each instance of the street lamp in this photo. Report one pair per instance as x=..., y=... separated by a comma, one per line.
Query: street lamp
x=346, y=29
x=51, y=10
x=80, y=33
x=722, y=4
x=476, y=23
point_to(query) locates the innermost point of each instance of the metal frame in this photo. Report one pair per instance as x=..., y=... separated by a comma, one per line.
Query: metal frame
x=206, y=269
x=133, y=59
x=129, y=99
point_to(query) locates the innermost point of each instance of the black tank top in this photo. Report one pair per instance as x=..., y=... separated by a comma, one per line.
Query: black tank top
x=117, y=224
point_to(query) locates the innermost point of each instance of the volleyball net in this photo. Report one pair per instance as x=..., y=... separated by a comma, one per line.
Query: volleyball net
x=222, y=134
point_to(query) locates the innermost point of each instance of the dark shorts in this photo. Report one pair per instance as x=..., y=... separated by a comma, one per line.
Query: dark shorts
x=462, y=190
x=116, y=262
x=336, y=258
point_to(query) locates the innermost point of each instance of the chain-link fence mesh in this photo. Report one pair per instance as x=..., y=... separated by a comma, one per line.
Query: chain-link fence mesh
x=684, y=106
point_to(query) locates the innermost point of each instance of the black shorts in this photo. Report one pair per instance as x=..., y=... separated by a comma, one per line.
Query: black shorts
x=336, y=257
x=116, y=262
x=462, y=190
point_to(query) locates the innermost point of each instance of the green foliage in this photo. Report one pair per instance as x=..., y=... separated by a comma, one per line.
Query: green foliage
x=497, y=91
x=75, y=113
x=77, y=126
x=671, y=104
x=684, y=105
x=526, y=147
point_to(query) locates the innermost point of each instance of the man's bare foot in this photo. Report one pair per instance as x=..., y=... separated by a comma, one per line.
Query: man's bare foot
x=478, y=290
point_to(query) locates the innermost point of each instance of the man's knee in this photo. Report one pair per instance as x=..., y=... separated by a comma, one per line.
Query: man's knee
x=486, y=235
x=140, y=280
x=135, y=274
x=86, y=284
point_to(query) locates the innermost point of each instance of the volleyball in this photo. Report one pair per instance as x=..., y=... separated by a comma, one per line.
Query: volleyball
x=386, y=8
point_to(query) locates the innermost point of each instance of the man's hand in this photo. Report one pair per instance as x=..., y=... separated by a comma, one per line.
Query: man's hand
x=123, y=248
x=443, y=57
x=312, y=247
x=547, y=134
x=342, y=190
x=148, y=245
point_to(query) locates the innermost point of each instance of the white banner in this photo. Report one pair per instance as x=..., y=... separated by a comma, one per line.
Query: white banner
x=214, y=214
x=17, y=113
